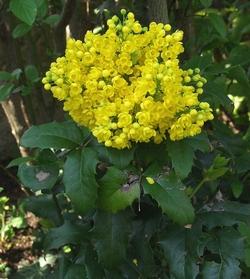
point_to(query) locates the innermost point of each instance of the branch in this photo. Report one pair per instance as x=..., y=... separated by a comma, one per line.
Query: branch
x=60, y=29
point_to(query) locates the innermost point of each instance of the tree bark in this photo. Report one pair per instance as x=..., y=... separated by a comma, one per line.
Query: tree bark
x=158, y=11
x=13, y=108
x=16, y=119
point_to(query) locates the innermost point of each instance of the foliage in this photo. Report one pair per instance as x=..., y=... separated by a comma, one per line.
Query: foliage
x=10, y=219
x=173, y=210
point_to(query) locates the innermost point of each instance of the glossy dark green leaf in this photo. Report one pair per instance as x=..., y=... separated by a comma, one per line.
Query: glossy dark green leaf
x=111, y=232
x=68, y=233
x=53, y=135
x=37, y=205
x=119, y=158
x=76, y=271
x=227, y=213
x=238, y=73
x=182, y=155
x=227, y=269
x=79, y=179
x=227, y=242
x=37, y=177
x=181, y=264
x=199, y=142
x=19, y=161
x=239, y=55
x=141, y=249
x=116, y=191
x=215, y=93
x=24, y=10
x=243, y=162
x=244, y=230
x=198, y=61
x=88, y=256
x=218, y=23
x=172, y=199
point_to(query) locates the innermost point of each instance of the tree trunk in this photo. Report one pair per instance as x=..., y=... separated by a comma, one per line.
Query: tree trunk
x=158, y=11
x=15, y=114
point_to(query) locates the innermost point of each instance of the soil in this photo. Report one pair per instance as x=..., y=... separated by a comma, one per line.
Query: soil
x=18, y=252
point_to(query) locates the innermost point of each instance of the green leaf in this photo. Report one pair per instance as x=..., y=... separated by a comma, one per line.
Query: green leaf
x=239, y=55
x=88, y=256
x=237, y=188
x=172, y=199
x=31, y=73
x=76, y=271
x=119, y=158
x=147, y=153
x=111, y=233
x=239, y=74
x=199, y=142
x=20, y=30
x=5, y=91
x=116, y=193
x=217, y=169
x=218, y=24
x=142, y=250
x=200, y=61
x=52, y=19
x=206, y=3
x=182, y=155
x=19, y=161
x=5, y=75
x=24, y=10
x=227, y=242
x=227, y=269
x=17, y=222
x=181, y=263
x=42, y=8
x=244, y=230
x=79, y=179
x=37, y=204
x=53, y=135
x=243, y=162
x=68, y=233
x=226, y=213
x=215, y=92
x=37, y=177
x=16, y=73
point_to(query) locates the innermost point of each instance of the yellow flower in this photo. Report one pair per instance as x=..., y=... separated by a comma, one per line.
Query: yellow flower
x=127, y=86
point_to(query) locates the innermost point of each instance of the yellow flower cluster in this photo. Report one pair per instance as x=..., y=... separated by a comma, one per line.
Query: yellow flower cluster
x=126, y=85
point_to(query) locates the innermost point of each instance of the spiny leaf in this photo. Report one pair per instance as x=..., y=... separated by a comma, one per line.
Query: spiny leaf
x=172, y=200
x=116, y=192
x=79, y=179
x=111, y=233
x=53, y=135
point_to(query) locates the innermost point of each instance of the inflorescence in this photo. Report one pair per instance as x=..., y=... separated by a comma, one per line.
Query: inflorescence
x=126, y=85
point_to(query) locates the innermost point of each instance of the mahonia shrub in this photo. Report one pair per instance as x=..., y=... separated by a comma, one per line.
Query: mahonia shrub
x=126, y=85
x=129, y=186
